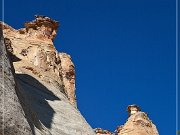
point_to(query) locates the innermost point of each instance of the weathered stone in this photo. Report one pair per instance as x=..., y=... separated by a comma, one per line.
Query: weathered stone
x=42, y=28
x=68, y=74
x=37, y=90
x=45, y=79
x=12, y=117
x=138, y=123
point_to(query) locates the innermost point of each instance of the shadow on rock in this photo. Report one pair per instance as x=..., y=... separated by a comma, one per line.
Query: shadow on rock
x=33, y=96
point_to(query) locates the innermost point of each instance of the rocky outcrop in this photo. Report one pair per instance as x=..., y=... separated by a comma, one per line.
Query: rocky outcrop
x=36, y=52
x=68, y=76
x=45, y=79
x=42, y=28
x=37, y=90
x=138, y=123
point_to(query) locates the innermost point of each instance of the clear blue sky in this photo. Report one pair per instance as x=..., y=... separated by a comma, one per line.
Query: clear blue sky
x=123, y=50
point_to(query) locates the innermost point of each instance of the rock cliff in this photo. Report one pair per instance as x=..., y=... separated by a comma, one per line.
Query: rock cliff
x=12, y=118
x=37, y=91
x=44, y=101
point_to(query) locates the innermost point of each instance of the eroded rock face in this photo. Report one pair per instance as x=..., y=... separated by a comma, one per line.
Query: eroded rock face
x=45, y=78
x=40, y=55
x=138, y=123
x=68, y=74
x=44, y=102
x=42, y=28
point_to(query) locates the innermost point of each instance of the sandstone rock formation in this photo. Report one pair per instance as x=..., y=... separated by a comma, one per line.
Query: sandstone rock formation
x=138, y=123
x=45, y=80
x=68, y=76
x=37, y=87
x=34, y=47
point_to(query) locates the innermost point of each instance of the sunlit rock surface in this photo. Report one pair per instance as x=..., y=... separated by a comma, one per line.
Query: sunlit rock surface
x=37, y=94
x=138, y=123
x=45, y=79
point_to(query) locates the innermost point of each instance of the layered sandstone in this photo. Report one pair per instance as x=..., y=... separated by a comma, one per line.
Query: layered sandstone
x=45, y=79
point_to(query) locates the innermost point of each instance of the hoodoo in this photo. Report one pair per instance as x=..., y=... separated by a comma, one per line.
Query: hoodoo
x=137, y=123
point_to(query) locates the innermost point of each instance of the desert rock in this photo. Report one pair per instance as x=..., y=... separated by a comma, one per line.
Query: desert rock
x=138, y=123
x=45, y=79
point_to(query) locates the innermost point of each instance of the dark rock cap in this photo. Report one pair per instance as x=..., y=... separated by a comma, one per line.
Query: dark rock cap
x=133, y=106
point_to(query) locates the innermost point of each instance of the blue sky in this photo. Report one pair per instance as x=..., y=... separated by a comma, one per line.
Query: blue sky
x=123, y=50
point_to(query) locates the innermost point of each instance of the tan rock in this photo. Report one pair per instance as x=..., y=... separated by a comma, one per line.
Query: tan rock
x=46, y=85
x=40, y=52
x=68, y=73
x=138, y=123
x=45, y=78
x=42, y=28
